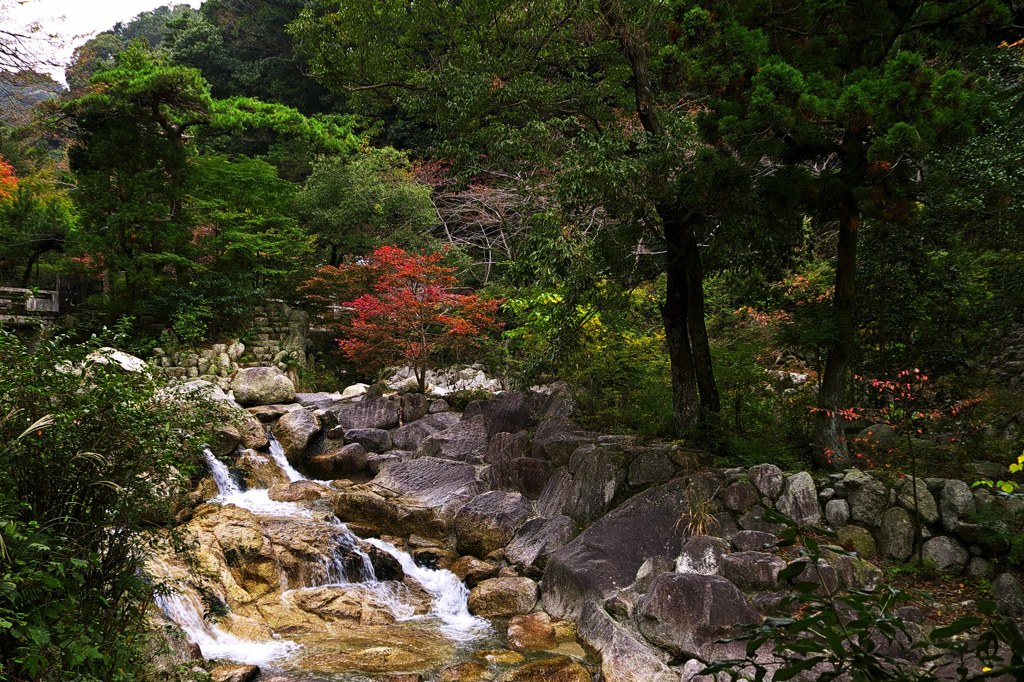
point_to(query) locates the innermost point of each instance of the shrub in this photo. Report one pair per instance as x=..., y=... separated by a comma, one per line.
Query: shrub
x=89, y=456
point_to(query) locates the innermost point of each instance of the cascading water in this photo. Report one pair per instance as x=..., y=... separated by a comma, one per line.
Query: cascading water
x=346, y=566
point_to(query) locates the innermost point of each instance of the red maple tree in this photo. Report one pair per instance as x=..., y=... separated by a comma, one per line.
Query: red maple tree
x=408, y=312
x=8, y=180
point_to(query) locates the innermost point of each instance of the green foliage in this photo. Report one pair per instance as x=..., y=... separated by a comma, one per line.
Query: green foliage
x=859, y=634
x=91, y=456
x=356, y=204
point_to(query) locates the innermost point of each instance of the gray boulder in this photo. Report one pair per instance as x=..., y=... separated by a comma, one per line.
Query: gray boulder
x=701, y=554
x=341, y=463
x=489, y=522
x=868, y=497
x=262, y=386
x=799, y=500
x=740, y=496
x=556, y=440
x=538, y=538
x=896, y=535
x=437, y=488
x=650, y=465
x=505, y=446
x=410, y=436
x=946, y=553
x=955, y=502
x=587, y=488
x=465, y=441
x=926, y=504
x=380, y=413
x=607, y=555
x=768, y=479
x=623, y=656
x=688, y=614
x=374, y=440
x=1008, y=595
x=837, y=513
x=506, y=413
x=527, y=475
x=751, y=540
x=294, y=431
x=414, y=406
x=752, y=570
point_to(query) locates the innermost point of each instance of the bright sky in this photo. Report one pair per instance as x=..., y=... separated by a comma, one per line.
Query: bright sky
x=73, y=21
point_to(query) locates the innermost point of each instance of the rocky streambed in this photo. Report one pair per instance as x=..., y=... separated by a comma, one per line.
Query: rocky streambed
x=387, y=537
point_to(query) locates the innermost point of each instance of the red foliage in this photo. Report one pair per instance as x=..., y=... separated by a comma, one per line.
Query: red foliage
x=8, y=180
x=406, y=313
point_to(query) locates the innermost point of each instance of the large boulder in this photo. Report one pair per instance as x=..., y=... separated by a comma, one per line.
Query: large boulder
x=946, y=554
x=799, y=500
x=341, y=463
x=411, y=436
x=925, y=506
x=768, y=479
x=896, y=536
x=538, y=538
x=752, y=570
x=465, y=441
x=868, y=497
x=624, y=657
x=414, y=406
x=294, y=431
x=688, y=614
x=556, y=439
x=606, y=556
x=431, y=490
x=584, y=491
x=374, y=440
x=262, y=386
x=955, y=503
x=489, y=522
x=503, y=597
x=650, y=465
x=368, y=414
x=508, y=413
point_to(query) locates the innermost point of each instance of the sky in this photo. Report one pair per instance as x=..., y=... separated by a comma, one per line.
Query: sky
x=74, y=21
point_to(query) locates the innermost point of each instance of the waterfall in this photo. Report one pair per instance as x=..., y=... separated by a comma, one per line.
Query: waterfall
x=277, y=453
x=226, y=485
x=185, y=609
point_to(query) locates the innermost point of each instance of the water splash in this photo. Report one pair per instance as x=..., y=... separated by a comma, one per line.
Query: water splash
x=226, y=485
x=449, y=595
x=277, y=454
x=185, y=610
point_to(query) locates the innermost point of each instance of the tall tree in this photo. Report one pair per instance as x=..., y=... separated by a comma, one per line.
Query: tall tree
x=578, y=88
x=851, y=97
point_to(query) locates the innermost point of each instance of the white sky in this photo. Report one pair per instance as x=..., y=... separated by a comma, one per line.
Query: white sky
x=73, y=21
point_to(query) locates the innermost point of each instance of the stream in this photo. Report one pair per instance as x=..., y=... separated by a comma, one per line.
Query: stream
x=428, y=608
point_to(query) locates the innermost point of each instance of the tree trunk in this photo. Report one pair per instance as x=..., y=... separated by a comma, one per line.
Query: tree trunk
x=697, y=330
x=675, y=315
x=829, y=440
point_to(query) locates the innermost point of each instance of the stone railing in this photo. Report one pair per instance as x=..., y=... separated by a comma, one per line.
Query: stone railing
x=27, y=307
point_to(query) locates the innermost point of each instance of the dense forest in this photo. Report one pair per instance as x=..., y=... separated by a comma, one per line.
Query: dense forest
x=753, y=228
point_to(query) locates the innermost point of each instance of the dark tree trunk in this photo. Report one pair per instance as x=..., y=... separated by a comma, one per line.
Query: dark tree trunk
x=697, y=330
x=829, y=439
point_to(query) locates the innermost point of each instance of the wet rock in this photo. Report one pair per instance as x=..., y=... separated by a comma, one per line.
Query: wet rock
x=410, y=436
x=380, y=413
x=465, y=441
x=799, y=500
x=226, y=439
x=559, y=669
x=538, y=538
x=1008, y=595
x=385, y=566
x=299, y=491
x=768, y=479
x=346, y=461
x=294, y=431
x=234, y=673
x=503, y=597
x=701, y=554
x=473, y=571
x=624, y=657
x=688, y=614
x=489, y=522
x=470, y=671
x=753, y=540
x=532, y=631
x=607, y=555
x=500, y=656
x=752, y=570
x=946, y=553
x=650, y=465
x=414, y=406
x=374, y=440
x=896, y=535
x=867, y=496
x=262, y=386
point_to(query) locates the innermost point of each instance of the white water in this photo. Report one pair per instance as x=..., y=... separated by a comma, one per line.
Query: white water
x=449, y=595
x=214, y=643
